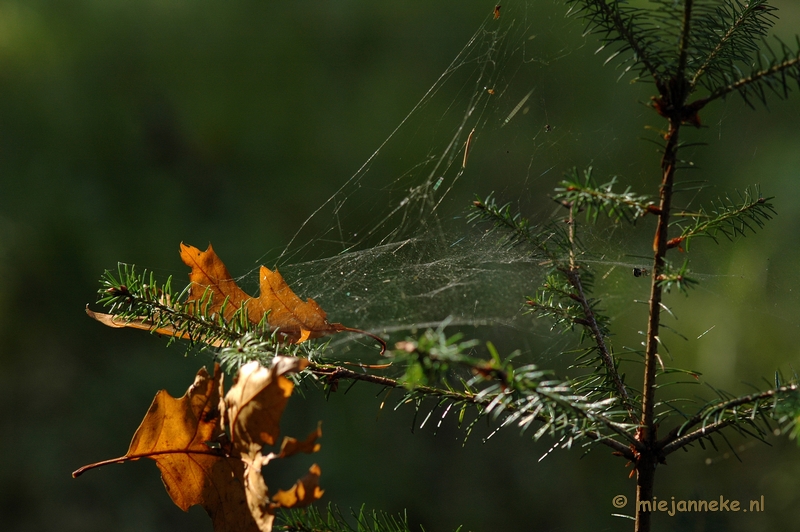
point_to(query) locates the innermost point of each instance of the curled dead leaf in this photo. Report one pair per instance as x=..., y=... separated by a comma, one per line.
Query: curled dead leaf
x=256, y=401
x=110, y=320
x=201, y=464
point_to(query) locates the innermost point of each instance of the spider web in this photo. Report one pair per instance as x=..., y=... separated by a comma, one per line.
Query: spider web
x=391, y=252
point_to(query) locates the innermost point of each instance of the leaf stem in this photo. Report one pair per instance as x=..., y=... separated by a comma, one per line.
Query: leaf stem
x=128, y=457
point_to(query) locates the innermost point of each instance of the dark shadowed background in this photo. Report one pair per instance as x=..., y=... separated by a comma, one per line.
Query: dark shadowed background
x=127, y=127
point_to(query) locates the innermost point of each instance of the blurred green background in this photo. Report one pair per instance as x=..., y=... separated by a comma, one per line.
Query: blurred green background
x=127, y=127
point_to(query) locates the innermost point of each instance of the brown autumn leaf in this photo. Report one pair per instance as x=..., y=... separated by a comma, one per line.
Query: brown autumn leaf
x=201, y=464
x=214, y=291
x=305, y=491
x=296, y=320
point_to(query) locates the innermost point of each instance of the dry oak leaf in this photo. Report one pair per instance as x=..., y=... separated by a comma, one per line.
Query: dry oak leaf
x=295, y=319
x=254, y=405
x=176, y=433
x=213, y=291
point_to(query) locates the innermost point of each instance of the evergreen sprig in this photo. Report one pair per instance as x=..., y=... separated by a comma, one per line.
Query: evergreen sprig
x=558, y=301
x=726, y=217
x=252, y=346
x=630, y=31
x=750, y=415
x=679, y=278
x=430, y=357
x=518, y=396
x=312, y=520
x=555, y=300
x=565, y=296
x=726, y=37
x=772, y=73
x=551, y=240
x=133, y=296
x=685, y=44
x=586, y=195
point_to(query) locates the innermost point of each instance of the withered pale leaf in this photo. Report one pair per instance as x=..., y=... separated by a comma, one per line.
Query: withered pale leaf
x=305, y=491
x=144, y=324
x=198, y=462
x=256, y=401
x=254, y=407
x=261, y=507
x=291, y=446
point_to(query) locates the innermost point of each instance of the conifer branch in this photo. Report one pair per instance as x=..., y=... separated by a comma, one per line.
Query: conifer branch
x=312, y=520
x=551, y=241
x=554, y=300
x=518, y=395
x=574, y=196
x=139, y=299
x=596, y=199
x=619, y=23
x=719, y=415
x=704, y=432
x=773, y=76
x=524, y=412
x=598, y=334
x=730, y=42
x=726, y=217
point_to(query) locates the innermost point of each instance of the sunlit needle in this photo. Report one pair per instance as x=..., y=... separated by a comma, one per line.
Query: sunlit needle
x=466, y=148
x=516, y=109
